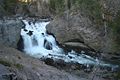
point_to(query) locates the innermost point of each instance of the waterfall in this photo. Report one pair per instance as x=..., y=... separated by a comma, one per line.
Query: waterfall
x=35, y=36
x=39, y=44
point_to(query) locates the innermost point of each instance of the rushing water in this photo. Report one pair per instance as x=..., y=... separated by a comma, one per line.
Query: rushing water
x=39, y=44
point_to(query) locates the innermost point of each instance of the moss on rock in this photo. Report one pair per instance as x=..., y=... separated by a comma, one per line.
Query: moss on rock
x=18, y=66
x=5, y=63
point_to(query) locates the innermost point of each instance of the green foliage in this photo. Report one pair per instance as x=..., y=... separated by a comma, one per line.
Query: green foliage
x=5, y=63
x=52, y=5
x=2, y=9
x=19, y=66
x=115, y=26
x=117, y=76
x=57, y=6
x=10, y=5
x=91, y=8
x=9, y=64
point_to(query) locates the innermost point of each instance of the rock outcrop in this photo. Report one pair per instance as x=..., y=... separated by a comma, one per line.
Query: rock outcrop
x=10, y=32
x=77, y=28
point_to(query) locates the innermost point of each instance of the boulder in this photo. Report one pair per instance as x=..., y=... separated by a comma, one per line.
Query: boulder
x=10, y=32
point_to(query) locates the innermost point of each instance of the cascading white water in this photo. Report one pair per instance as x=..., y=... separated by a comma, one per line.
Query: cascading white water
x=36, y=41
x=36, y=33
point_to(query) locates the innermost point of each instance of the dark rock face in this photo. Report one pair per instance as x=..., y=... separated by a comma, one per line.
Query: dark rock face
x=10, y=32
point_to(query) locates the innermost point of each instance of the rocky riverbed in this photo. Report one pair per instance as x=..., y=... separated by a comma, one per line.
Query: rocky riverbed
x=89, y=28
x=16, y=65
